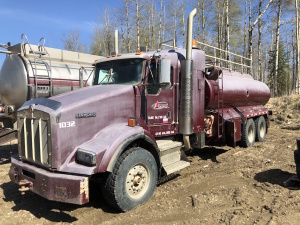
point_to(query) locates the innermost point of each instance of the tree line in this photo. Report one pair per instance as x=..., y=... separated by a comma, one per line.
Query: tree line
x=266, y=31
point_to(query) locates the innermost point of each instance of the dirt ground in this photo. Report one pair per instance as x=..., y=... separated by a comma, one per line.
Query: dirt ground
x=222, y=186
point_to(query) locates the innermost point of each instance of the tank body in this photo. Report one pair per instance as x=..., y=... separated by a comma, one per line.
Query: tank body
x=18, y=80
x=13, y=81
x=238, y=90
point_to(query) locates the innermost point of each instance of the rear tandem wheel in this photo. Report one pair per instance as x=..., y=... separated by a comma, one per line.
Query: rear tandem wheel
x=260, y=128
x=248, y=134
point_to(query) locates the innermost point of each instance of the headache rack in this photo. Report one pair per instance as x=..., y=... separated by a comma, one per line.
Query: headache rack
x=225, y=59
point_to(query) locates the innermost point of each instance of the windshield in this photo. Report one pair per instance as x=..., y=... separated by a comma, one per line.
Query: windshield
x=124, y=71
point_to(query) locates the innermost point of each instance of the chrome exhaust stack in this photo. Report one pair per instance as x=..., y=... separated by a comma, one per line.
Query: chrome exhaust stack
x=186, y=91
x=116, y=42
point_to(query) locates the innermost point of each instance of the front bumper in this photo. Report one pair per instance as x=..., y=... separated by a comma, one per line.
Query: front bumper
x=50, y=185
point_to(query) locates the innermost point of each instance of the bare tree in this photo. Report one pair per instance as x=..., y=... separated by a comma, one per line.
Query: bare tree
x=102, y=38
x=137, y=24
x=152, y=27
x=127, y=21
x=159, y=31
x=183, y=24
x=71, y=41
x=203, y=20
x=277, y=46
x=251, y=27
x=245, y=28
x=164, y=24
x=198, y=20
x=227, y=30
x=259, y=43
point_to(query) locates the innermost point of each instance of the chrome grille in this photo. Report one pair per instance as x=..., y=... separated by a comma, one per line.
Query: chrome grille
x=34, y=139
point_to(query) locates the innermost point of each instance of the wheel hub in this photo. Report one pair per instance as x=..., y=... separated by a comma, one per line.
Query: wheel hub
x=251, y=135
x=137, y=181
x=262, y=130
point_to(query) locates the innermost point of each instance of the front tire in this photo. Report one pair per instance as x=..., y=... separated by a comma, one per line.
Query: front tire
x=132, y=181
x=248, y=134
x=261, y=128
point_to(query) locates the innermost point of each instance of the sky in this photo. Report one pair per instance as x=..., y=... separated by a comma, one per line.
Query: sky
x=50, y=20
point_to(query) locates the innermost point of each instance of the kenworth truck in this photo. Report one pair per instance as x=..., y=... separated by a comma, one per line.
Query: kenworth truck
x=133, y=126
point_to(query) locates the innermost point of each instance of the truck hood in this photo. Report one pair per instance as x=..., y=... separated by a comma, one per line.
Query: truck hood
x=85, y=112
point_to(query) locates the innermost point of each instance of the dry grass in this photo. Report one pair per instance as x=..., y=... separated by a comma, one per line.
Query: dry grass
x=285, y=109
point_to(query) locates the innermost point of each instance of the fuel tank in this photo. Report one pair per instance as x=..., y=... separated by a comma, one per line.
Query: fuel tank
x=238, y=90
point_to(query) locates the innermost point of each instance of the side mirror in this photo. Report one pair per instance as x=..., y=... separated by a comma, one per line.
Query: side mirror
x=165, y=71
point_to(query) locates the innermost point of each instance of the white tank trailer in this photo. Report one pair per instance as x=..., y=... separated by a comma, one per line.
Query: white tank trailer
x=34, y=71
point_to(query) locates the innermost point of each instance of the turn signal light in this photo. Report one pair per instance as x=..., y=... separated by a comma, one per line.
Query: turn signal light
x=194, y=43
x=131, y=122
x=138, y=52
x=2, y=109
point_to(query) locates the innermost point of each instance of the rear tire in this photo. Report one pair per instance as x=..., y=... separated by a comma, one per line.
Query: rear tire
x=261, y=129
x=248, y=134
x=132, y=181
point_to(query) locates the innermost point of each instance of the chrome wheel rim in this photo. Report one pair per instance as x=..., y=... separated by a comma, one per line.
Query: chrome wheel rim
x=137, y=180
x=262, y=130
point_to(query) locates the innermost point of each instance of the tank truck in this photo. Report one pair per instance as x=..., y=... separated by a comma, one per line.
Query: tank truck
x=134, y=125
x=32, y=71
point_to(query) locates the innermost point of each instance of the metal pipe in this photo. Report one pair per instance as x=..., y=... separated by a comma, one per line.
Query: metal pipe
x=3, y=46
x=81, y=77
x=5, y=52
x=163, y=43
x=189, y=34
x=116, y=42
x=186, y=84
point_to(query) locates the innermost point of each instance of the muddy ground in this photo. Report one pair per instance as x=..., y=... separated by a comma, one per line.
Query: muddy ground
x=222, y=186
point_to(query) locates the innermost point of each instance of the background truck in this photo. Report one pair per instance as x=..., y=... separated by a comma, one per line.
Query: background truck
x=133, y=126
x=32, y=71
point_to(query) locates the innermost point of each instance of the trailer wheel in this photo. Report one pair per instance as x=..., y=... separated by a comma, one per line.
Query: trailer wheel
x=132, y=181
x=248, y=134
x=261, y=128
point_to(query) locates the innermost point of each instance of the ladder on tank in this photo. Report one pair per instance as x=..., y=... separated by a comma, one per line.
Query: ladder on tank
x=220, y=106
x=38, y=63
x=218, y=90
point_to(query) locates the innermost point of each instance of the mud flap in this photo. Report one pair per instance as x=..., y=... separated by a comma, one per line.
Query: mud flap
x=230, y=133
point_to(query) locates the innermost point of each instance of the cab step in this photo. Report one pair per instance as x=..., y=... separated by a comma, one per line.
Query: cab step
x=176, y=166
x=172, y=157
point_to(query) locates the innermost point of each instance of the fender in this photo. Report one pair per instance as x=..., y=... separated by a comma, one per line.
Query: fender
x=126, y=143
x=108, y=144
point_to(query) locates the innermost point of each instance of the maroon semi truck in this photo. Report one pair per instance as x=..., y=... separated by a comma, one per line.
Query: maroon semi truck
x=133, y=126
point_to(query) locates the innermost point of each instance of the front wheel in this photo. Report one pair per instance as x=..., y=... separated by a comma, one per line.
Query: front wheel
x=132, y=181
x=248, y=134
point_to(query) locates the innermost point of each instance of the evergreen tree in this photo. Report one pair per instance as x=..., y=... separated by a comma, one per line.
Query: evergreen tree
x=283, y=81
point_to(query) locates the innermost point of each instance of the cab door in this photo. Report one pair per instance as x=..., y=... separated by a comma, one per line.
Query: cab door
x=160, y=103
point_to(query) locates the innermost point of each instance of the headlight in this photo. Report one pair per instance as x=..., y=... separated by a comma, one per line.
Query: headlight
x=86, y=157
